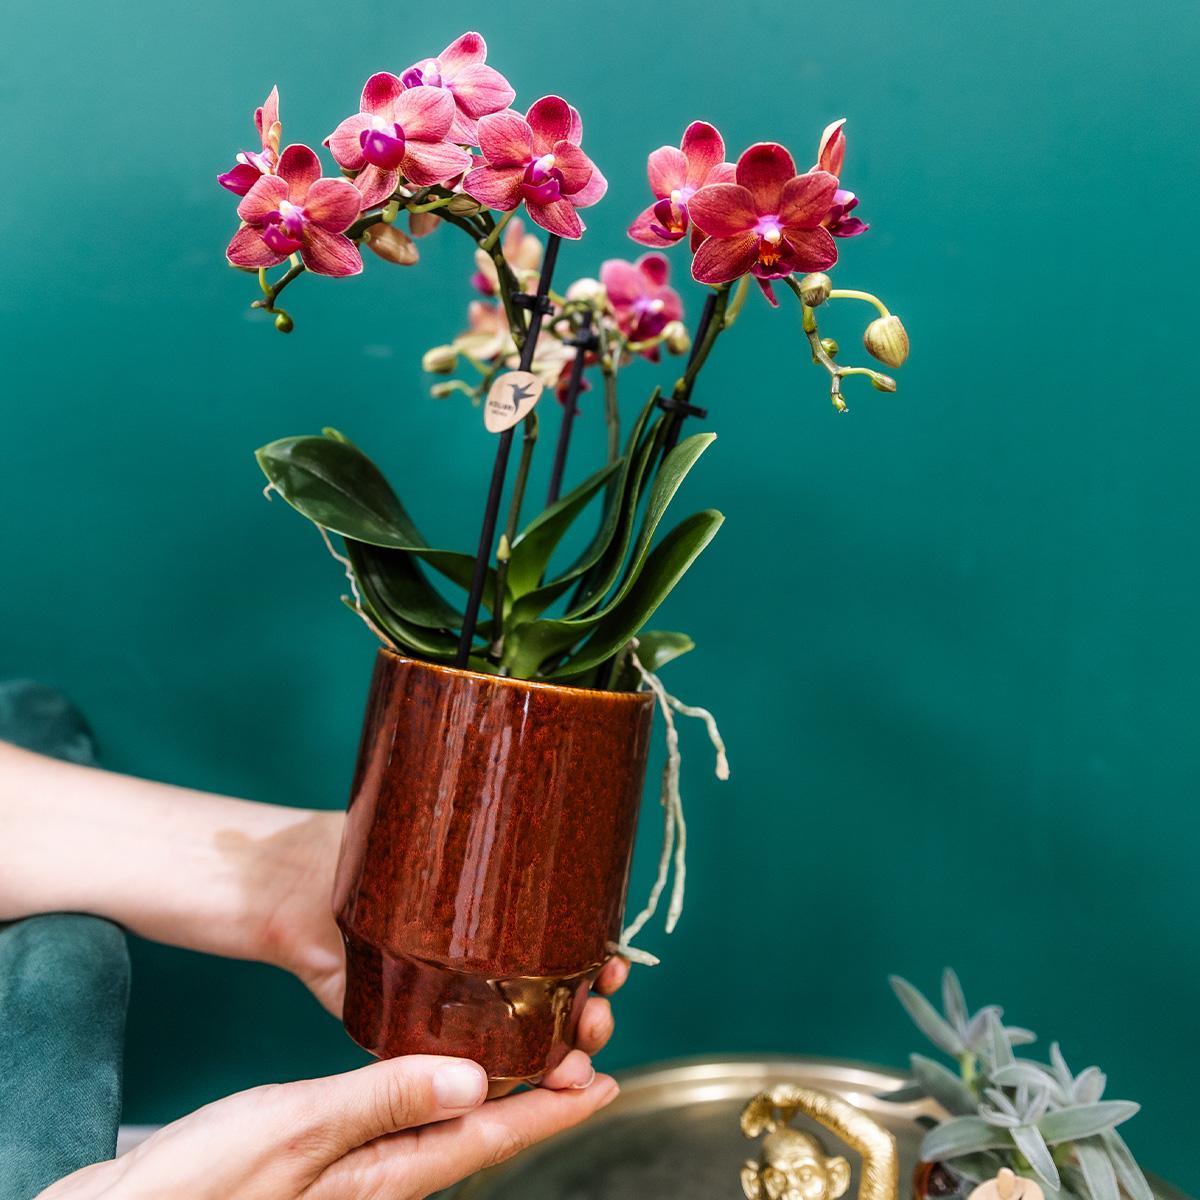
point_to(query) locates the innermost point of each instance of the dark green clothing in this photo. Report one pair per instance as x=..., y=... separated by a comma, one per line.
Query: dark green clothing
x=64, y=986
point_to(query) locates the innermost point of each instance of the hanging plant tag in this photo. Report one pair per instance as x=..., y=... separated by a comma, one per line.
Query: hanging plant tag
x=510, y=399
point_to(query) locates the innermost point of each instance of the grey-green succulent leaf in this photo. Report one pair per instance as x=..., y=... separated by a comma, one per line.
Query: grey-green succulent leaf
x=1097, y=1169
x=926, y=1018
x=963, y=1135
x=954, y=1003
x=1084, y=1120
x=943, y=1085
x=1128, y=1172
x=1031, y=1144
x=1028, y=1073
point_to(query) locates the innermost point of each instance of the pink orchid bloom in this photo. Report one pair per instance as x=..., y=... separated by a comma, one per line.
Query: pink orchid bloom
x=398, y=132
x=831, y=156
x=477, y=88
x=522, y=251
x=536, y=159
x=675, y=176
x=768, y=223
x=641, y=301
x=251, y=165
x=295, y=211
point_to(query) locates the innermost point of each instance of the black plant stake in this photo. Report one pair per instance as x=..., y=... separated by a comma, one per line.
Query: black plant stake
x=679, y=404
x=584, y=341
x=539, y=305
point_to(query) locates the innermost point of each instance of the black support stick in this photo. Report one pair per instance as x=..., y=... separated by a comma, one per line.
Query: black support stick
x=584, y=340
x=680, y=406
x=539, y=305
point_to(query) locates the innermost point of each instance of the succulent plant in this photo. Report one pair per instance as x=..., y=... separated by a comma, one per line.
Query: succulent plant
x=1033, y=1117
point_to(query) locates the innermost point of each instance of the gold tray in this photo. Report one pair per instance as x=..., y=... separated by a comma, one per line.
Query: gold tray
x=674, y=1134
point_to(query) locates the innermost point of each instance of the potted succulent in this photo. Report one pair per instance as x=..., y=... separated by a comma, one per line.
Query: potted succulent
x=483, y=873
x=1036, y=1119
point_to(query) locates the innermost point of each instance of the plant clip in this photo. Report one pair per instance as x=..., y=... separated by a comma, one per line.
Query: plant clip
x=535, y=303
x=681, y=405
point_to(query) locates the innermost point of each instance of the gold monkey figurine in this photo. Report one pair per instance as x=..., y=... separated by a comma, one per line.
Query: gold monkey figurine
x=794, y=1166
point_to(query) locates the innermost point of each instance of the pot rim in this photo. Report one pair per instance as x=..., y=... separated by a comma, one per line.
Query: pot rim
x=644, y=699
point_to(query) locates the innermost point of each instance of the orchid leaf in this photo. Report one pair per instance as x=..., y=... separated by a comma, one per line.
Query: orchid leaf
x=962, y=1135
x=396, y=576
x=528, y=646
x=1084, y=1120
x=657, y=647
x=335, y=485
x=926, y=1018
x=1097, y=1169
x=533, y=548
x=1031, y=1144
x=943, y=1086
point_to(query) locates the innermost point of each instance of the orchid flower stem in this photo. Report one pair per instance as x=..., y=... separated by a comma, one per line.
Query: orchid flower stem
x=497, y=229
x=848, y=294
x=570, y=407
x=487, y=533
x=712, y=322
x=528, y=442
x=364, y=223
x=271, y=290
x=430, y=205
x=808, y=319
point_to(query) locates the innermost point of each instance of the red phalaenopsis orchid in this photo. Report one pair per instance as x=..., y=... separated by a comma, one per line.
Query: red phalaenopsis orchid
x=640, y=298
x=295, y=211
x=477, y=88
x=251, y=165
x=676, y=174
x=536, y=159
x=768, y=223
x=398, y=132
x=831, y=157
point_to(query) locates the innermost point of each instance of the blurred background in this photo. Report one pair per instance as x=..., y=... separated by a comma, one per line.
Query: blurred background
x=950, y=636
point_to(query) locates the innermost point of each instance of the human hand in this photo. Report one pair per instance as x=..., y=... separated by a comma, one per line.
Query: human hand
x=395, y=1130
x=291, y=879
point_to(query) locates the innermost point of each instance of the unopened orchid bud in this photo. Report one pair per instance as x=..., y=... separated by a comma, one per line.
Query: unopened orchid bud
x=441, y=360
x=440, y=391
x=464, y=206
x=588, y=291
x=284, y=323
x=839, y=403
x=678, y=340
x=830, y=346
x=882, y=383
x=815, y=289
x=887, y=340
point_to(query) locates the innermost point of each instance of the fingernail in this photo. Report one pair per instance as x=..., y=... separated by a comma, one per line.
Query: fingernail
x=587, y=1083
x=459, y=1085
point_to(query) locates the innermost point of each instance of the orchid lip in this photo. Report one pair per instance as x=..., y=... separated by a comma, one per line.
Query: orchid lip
x=382, y=148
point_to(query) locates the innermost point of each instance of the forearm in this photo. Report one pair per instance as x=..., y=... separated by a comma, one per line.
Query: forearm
x=178, y=866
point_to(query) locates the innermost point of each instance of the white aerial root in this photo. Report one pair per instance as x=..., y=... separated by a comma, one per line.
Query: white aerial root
x=674, y=848
x=355, y=596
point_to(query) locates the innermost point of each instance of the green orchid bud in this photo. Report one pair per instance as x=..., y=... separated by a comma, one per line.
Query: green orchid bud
x=887, y=340
x=284, y=323
x=830, y=346
x=677, y=338
x=440, y=391
x=441, y=360
x=464, y=206
x=839, y=403
x=815, y=289
x=882, y=383
x=588, y=291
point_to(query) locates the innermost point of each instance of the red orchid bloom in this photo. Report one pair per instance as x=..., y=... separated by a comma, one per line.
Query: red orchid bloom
x=295, y=211
x=676, y=174
x=536, y=158
x=769, y=223
x=641, y=301
x=477, y=88
x=251, y=165
x=398, y=132
x=831, y=155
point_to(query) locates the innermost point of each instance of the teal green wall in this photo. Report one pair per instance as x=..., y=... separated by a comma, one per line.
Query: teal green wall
x=951, y=636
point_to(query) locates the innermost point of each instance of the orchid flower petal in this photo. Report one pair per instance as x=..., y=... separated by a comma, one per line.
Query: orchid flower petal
x=326, y=253
x=723, y=209
x=333, y=204
x=262, y=199
x=806, y=200
x=811, y=249
x=550, y=121
x=704, y=148
x=345, y=142
x=831, y=152
x=266, y=120
x=764, y=169
x=591, y=191
x=300, y=167
x=505, y=139
x=497, y=187
x=425, y=113
x=722, y=260
x=240, y=178
x=479, y=89
x=655, y=268
x=429, y=163
x=559, y=217
x=645, y=229
x=376, y=184
x=380, y=94
x=666, y=169
x=466, y=50
x=247, y=249
x=573, y=165
x=622, y=281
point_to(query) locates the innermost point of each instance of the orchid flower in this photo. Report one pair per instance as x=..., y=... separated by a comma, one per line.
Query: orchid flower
x=522, y=251
x=295, y=211
x=536, y=159
x=831, y=155
x=675, y=176
x=640, y=298
x=488, y=340
x=768, y=224
x=477, y=88
x=399, y=132
x=251, y=165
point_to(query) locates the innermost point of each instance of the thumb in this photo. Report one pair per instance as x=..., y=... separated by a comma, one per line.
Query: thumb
x=399, y=1093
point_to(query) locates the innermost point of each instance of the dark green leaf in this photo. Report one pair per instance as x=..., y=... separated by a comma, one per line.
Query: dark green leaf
x=657, y=647
x=398, y=577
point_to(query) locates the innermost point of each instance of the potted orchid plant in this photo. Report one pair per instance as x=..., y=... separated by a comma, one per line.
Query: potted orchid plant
x=482, y=879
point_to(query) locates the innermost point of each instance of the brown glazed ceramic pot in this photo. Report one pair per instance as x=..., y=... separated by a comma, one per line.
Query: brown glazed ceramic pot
x=484, y=863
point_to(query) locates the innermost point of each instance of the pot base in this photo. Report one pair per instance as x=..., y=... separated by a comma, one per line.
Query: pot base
x=516, y=1027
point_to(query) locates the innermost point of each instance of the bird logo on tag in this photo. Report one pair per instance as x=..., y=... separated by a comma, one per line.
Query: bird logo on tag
x=510, y=399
